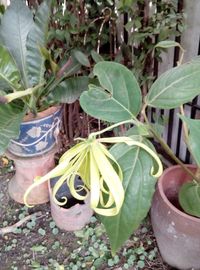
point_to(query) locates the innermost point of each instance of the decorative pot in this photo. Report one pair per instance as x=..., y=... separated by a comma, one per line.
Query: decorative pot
x=75, y=214
x=38, y=135
x=26, y=170
x=177, y=234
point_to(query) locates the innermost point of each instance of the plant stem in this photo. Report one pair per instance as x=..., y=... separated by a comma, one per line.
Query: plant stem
x=131, y=121
x=185, y=129
x=166, y=148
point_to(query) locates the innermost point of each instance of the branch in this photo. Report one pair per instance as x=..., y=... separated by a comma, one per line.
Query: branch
x=11, y=229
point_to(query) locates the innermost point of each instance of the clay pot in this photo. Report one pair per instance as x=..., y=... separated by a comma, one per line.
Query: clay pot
x=38, y=135
x=177, y=234
x=26, y=170
x=73, y=216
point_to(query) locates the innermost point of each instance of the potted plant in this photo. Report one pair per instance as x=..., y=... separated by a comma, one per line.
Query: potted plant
x=32, y=87
x=122, y=180
x=31, y=82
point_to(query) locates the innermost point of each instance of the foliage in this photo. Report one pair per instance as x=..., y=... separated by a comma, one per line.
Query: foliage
x=172, y=89
x=148, y=24
x=77, y=24
x=29, y=77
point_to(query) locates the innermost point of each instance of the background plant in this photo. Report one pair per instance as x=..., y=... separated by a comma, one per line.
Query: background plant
x=146, y=24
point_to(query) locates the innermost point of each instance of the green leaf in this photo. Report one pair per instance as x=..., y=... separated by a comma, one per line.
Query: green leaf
x=139, y=188
x=69, y=90
x=96, y=56
x=175, y=87
x=193, y=138
x=189, y=198
x=37, y=37
x=9, y=74
x=15, y=25
x=10, y=120
x=118, y=98
x=81, y=58
x=167, y=44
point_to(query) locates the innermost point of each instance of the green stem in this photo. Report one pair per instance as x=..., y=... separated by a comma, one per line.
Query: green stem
x=166, y=148
x=19, y=94
x=131, y=121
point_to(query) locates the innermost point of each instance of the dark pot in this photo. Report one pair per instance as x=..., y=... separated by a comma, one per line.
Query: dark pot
x=177, y=234
x=75, y=214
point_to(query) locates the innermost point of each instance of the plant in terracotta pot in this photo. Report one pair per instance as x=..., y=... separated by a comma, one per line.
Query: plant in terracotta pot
x=121, y=178
x=31, y=82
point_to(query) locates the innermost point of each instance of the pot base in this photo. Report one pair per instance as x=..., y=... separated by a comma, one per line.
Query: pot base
x=26, y=170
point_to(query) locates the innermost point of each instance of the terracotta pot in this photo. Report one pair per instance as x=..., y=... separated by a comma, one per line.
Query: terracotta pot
x=38, y=135
x=73, y=218
x=26, y=170
x=177, y=234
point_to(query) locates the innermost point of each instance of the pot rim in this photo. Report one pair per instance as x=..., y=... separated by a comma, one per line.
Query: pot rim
x=164, y=197
x=77, y=205
x=41, y=115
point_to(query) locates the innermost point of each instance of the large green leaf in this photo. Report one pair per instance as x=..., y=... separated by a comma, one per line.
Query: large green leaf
x=189, y=198
x=15, y=25
x=37, y=38
x=139, y=187
x=193, y=138
x=9, y=74
x=118, y=98
x=175, y=87
x=69, y=90
x=10, y=120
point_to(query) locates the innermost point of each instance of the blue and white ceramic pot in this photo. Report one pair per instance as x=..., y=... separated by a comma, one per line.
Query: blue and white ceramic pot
x=38, y=135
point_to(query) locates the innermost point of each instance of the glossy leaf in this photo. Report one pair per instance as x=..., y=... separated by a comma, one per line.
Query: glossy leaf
x=15, y=25
x=69, y=90
x=189, y=198
x=9, y=74
x=175, y=87
x=37, y=38
x=10, y=120
x=193, y=138
x=118, y=98
x=139, y=187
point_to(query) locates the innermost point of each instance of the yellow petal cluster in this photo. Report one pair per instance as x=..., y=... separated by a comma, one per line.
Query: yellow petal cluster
x=99, y=171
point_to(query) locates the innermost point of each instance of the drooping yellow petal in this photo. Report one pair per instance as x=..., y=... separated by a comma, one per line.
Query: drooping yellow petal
x=57, y=171
x=94, y=182
x=108, y=154
x=84, y=170
x=76, y=193
x=129, y=141
x=58, y=184
x=111, y=179
x=71, y=179
x=72, y=152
